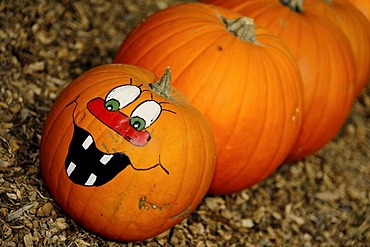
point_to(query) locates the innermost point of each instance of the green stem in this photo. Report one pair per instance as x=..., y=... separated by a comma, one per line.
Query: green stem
x=163, y=86
x=242, y=27
x=295, y=5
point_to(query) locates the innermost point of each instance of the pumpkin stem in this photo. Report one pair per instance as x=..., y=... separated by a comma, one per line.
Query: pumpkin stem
x=162, y=87
x=242, y=27
x=295, y=5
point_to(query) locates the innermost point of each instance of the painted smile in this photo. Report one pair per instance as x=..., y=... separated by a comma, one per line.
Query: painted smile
x=88, y=166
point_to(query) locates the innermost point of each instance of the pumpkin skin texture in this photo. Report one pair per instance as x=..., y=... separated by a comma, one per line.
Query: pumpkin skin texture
x=325, y=59
x=250, y=91
x=356, y=28
x=115, y=175
x=363, y=6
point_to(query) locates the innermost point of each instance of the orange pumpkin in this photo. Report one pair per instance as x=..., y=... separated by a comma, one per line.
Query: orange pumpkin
x=356, y=28
x=325, y=59
x=363, y=6
x=125, y=157
x=241, y=77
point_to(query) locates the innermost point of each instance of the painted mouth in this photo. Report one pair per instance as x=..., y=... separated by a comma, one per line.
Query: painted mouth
x=88, y=166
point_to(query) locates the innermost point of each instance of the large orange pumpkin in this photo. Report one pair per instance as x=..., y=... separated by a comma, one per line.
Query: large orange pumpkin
x=325, y=59
x=363, y=6
x=125, y=157
x=356, y=28
x=241, y=77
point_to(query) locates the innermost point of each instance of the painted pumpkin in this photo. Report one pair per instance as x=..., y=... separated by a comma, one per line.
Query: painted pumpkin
x=363, y=6
x=125, y=157
x=325, y=59
x=241, y=77
x=356, y=28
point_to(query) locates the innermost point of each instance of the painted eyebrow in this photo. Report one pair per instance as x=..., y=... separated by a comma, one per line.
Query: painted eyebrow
x=163, y=109
x=151, y=97
x=169, y=111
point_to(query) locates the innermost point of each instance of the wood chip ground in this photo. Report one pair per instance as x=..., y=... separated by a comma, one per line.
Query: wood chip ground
x=45, y=44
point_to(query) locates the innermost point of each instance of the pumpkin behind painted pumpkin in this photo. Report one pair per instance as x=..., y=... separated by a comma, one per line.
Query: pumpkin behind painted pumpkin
x=363, y=6
x=325, y=59
x=356, y=28
x=242, y=77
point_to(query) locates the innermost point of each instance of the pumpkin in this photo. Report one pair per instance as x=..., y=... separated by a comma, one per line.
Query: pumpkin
x=356, y=28
x=125, y=156
x=240, y=76
x=325, y=59
x=363, y=6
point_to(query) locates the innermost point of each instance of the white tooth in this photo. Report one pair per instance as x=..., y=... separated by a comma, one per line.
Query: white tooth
x=91, y=180
x=87, y=142
x=106, y=158
x=71, y=168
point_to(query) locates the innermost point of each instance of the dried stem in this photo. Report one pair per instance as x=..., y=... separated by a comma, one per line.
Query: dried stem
x=242, y=27
x=295, y=5
x=163, y=86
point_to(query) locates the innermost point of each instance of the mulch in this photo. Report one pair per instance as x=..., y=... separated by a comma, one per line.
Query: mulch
x=45, y=44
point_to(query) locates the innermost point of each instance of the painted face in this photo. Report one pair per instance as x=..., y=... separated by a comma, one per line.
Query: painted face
x=85, y=164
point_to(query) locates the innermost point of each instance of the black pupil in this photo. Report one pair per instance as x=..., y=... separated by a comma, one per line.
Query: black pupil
x=136, y=124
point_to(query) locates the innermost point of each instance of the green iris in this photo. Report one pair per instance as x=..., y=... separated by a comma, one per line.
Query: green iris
x=112, y=105
x=137, y=123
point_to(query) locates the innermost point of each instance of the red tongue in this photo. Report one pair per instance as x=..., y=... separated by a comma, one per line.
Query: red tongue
x=118, y=122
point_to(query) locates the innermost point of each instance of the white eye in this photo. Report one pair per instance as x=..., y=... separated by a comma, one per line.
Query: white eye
x=145, y=114
x=121, y=96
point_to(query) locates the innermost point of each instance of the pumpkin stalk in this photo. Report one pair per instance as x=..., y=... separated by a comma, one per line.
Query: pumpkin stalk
x=162, y=87
x=295, y=5
x=242, y=27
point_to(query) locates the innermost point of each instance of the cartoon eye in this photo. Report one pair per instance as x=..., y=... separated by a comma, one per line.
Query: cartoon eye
x=145, y=114
x=121, y=96
x=138, y=123
x=112, y=105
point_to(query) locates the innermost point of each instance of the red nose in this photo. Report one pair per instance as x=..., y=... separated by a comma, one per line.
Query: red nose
x=118, y=122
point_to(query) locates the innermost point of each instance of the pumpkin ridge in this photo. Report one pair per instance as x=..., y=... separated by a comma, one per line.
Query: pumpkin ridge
x=209, y=146
x=201, y=86
x=282, y=131
x=330, y=96
x=322, y=58
x=221, y=18
x=308, y=99
x=184, y=44
x=158, y=23
x=273, y=16
x=54, y=156
x=163, y=39
x=315, y=87
x=266, y=61
x=357, y=29
x=201, y=133
x=61, y=173
x=242, y=169
x=185, y=122
x=180, y=46
x=115, y=72
x=241, y=92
